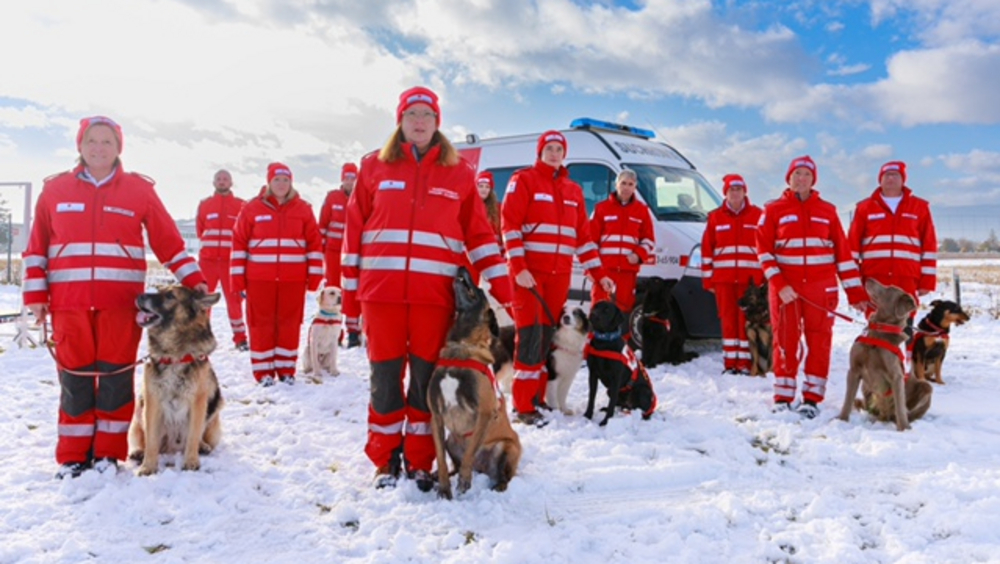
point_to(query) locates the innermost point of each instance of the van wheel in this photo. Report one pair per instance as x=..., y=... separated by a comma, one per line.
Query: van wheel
x=635, y=326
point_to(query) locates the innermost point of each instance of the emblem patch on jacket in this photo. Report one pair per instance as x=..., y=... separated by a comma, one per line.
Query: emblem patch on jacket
x=119, y=211
x=786, y=219
x=909, y=216
x=544, y=198
x=443, y=192
x=822, y=220
x=392, y=185
x=212, y=216
x=70, y=207
x=722, y=227
x=263, y=218
x=511, y=186
x=873, y=216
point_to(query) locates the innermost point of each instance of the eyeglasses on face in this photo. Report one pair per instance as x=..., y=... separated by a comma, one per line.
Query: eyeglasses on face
x=419, y=115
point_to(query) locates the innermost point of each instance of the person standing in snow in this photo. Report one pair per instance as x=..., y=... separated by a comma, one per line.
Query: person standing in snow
x=214, y=224
x=484, y=187
x=729, y=264
x=802, y=249
x=544, y=223
x=412, y=218
x=85, y=264
x=277, y=256
x=332, y=218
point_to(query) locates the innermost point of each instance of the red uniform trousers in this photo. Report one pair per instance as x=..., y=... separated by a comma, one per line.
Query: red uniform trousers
x=331, y=266
x=533, y=337
x=401, y=335
x=735, y=346
x=95, y=411
x=790, y=322
x=274, y=314
x=216, y=271
x=624, y=289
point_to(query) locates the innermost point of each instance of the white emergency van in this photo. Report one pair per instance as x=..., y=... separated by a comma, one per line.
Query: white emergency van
x=678, y=196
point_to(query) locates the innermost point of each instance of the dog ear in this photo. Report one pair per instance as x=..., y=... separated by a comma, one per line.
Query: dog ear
x=935, y=303
x=904, y=305
x=207, y=300
x=491, y=318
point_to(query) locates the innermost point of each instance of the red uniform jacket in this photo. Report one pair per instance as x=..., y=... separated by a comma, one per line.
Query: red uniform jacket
x=729, y=246
x=277, y=242
x=409, y=223
x=803, y=242
x=891, y=246
x=216, y=217
x=544, y=222
x=620, y=230
x=86, y=249
x=332, y=219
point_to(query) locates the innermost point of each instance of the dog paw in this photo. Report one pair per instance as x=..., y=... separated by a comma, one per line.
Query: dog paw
x=136, y=455
x=463, y=485
x=204, y=448
x=567, y=412
x=146, y=470
x=191, y=465
x=445, y=493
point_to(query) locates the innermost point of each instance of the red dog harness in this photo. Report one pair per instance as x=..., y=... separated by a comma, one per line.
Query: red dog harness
x=472, y=365
x=867, y=339
x=628, y=358
x=186, y=359
x=937, y=331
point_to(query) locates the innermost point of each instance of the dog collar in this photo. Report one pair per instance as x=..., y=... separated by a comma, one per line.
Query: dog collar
x=186, y=359
x=658, y=321
x=323, y=321
x=471, y=365
x=935, y=330
x=885, y=328
x=326, y=318
x=611, y=336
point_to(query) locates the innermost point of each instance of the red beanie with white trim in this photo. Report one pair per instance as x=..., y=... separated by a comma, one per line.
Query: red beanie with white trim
x=804, y=161
x=87, y=123
x=897, y=166
x=550, y=136
x=276, y=169
x=485, y=176
x=731, y=180
x=348, y=171
x=418, y=95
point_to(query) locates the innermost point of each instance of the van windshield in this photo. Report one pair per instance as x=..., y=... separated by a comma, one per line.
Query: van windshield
x=675, y=194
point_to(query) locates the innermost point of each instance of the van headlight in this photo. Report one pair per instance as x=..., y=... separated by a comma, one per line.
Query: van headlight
x=694, y=258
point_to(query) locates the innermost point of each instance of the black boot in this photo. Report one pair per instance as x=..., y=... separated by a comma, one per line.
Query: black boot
x=353, y=339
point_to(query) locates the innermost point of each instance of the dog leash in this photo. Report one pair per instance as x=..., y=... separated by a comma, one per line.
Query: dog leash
x=545, y=306
x=50, y=346
x=831, y=311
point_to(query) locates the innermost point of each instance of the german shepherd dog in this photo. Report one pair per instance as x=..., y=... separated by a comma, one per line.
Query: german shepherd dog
x=931, y=337
x=178, y=409
x=663, y=333
x=464, y=399
x=611, y=362
x=756, y=310
x=324, y=334
x=877, y=363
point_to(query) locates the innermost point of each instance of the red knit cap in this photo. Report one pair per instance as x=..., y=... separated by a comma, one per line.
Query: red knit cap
x=804, y=161
x=349, y=170
x=485, y=176
x=87, y=123
x=731, y=180
x=898, y=166
x=274, y=169
x=418, y=95
x=550, y=136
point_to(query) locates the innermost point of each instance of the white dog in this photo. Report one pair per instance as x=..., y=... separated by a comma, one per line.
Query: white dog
x=566, y=356
x=324, y=334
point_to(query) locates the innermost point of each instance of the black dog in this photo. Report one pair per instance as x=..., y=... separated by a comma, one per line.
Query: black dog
x=757, y=311
x=611, y=362
x=931, y=339
x=663, y=333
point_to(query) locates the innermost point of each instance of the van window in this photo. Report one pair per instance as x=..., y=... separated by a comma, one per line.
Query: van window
x=675, y=194
x=596, y=181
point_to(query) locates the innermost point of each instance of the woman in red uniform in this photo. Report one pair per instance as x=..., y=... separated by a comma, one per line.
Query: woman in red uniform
x=803, y=250
x=85, y=264
x=332, y=218
x=544, y=222
x=413, y=216
x=277, y=256
x=729, y=264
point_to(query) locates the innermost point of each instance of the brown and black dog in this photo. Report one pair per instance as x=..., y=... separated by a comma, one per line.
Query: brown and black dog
x=930, y=344
x=464, y=399
x=877, y=363
x=757, y=312
x=178, y=409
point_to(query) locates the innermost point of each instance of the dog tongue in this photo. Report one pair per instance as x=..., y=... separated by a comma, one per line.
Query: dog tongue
x=143, y=318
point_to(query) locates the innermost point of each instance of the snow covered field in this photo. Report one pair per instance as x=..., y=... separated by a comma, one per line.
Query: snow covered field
x=713, y=477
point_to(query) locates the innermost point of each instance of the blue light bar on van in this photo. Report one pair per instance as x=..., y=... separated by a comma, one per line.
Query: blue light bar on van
x=590, y=123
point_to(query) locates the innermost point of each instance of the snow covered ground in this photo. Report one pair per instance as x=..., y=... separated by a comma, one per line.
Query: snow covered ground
x=713, y=477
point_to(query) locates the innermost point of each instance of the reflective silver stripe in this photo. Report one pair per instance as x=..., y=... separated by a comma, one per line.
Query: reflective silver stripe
x=316, y=270
x=747, y=264
x=595, y=263
x=724, y=264
x=383, y=263
x=906, y=255
x=87, y=274
x=743, y=354
x=735, y=249
x=587, y=247
x=393, y=429
x=846, y=265
x=292, y=259
x=539, y=247
x=930, y=256
x=706, y=274
x=284, y=364
x=540, y=228
x=856, y=256
x=615, y=251
x=350, y=284
x=730, y=342
x=315, y=255
x=496, y=271
x=771, y=272
x=620, y=239
x=564, y=250
x=239, y=255
x=799, y=242
x=928, y=270
x=236, y=270
x=261, y=355
x=181, y=256
x=787, y=382
x=482, y=251
x=516, y=252
x=648, y=244
x=852, y=283
x=433, y=267
x=764, y=257
x=112, y=427
x=35, y=284
x=337, y=225
x=187, y=270
x=815, y=384
x=418, y=428
x=271, y=243
x=707, y=260
x=262, y=366
x=568, y=231
x=285, y=352
x=437, y=241
x=68, y=430
x=508, y=235
x=217, y=233
x=213, y=243
x=35, y=261
x=349, y=259
x=337, y=235
x=805, y=260
x=322, y=231
x=385, y=236
x=97, y=249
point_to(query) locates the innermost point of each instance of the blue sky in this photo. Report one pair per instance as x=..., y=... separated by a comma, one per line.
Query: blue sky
x=736, y=86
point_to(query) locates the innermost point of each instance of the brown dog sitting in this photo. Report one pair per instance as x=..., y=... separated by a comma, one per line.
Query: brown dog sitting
x=877, y=363
x=757, y=311
x=464, y=399
x=930, y=344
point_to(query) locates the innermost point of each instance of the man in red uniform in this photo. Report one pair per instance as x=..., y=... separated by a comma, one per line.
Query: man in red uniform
x=803, y=250
x=622, y=228
x=332, y=219
x=216, y=217
x=893, y=238
x=86, y=264
x=544, y=223
x=729, y=263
